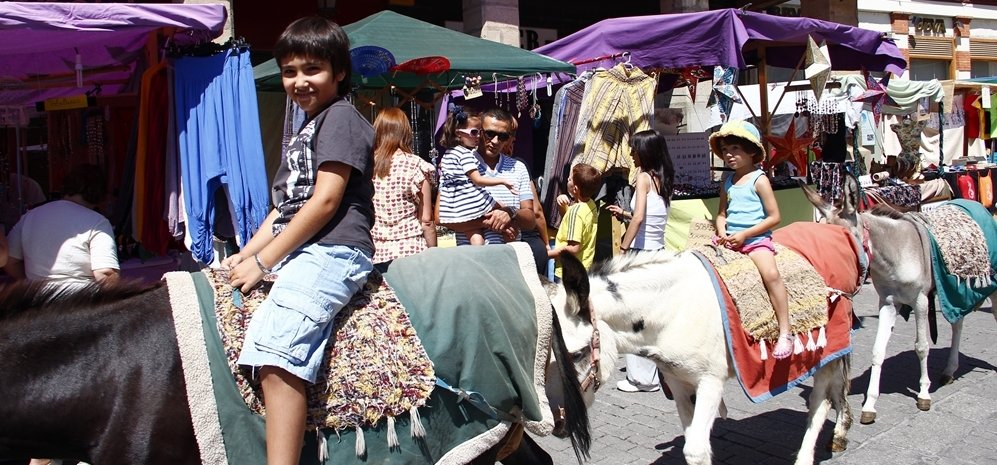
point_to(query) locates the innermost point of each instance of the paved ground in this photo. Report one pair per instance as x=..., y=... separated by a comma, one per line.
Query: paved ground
x=961, y=428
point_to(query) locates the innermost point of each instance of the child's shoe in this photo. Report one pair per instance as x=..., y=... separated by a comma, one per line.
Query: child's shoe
x=783, y=348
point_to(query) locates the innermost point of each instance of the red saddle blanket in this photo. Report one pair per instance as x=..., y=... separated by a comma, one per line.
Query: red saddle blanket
x=834, y=253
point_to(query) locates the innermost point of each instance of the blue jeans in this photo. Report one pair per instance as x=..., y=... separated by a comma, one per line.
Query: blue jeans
x=290, y=328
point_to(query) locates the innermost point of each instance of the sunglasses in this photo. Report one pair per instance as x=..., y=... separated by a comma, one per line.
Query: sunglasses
x=502, y=136
x=473, y=132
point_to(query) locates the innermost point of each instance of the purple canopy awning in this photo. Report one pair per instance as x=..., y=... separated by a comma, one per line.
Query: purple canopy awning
x=724, y=37
x=39, y=43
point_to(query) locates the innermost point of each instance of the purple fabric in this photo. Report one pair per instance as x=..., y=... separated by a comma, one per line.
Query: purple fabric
x=724, y=37
x=39, y=42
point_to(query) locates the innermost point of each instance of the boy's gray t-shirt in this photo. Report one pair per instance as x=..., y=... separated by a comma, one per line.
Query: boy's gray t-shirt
x=339, y=133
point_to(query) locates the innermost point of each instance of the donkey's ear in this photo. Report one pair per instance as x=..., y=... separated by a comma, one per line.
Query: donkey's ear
x=818, y=202
x=576, y=280
x=850, y=196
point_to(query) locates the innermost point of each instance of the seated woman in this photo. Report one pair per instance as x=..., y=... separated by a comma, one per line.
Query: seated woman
x=67, y=239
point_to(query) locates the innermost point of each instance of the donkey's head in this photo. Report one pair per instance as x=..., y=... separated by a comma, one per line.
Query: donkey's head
x=847, y=213
x=589, y=342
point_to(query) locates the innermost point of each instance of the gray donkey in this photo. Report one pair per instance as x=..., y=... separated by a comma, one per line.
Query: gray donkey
x=900, y=270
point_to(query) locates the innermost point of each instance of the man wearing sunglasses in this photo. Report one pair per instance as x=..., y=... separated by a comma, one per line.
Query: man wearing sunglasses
x=503, y=225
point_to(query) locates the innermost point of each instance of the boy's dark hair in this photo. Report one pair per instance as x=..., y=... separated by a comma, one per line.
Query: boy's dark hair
x=587, y=179
x=88, y=181
x=317, y=37
x=652, y=152
x=747, y=145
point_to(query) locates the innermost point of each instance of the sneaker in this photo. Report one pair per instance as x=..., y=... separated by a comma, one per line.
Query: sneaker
x=626, y=386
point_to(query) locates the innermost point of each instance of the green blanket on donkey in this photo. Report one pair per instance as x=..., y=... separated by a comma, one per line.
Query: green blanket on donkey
x=957, y=296
x=484, y=321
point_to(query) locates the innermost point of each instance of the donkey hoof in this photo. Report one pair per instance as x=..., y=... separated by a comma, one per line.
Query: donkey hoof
x=838, y=445
x=868, y=418
x=924, y=404
x=945, y=380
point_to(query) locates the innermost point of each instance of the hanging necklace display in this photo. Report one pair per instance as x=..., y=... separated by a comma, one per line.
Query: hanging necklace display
x=495, y=88
x=95, y=137
x=413, y=110
x=535, y=113
x=433, y=153
x=522, y=99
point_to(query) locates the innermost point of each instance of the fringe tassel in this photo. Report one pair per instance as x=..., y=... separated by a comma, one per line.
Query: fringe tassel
x=323, y=446
x=765, y=352
x=822, y=338
x=392, y=434
x=797, y=345
x=418, y=431
x=811, y=346
x=361, y=448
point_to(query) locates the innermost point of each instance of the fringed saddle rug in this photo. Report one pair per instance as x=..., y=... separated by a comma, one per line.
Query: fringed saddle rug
x=806, y=289
x=374, y=367
x=832, y=254
x=489, y=344
x=963, y=240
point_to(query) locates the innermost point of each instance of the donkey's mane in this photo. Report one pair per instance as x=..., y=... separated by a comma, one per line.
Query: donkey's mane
x=21, y=296
x=632, y=261
x=886, y=211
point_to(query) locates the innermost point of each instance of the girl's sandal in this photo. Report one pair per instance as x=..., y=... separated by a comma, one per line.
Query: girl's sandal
x=783, y=348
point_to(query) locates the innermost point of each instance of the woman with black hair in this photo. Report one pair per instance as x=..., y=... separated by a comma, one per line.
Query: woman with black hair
x=646, y=229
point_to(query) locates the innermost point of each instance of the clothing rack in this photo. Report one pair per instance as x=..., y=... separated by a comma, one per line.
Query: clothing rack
x=602, y=58
x=204, y=49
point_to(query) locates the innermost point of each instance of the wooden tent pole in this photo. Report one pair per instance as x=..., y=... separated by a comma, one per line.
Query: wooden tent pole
x=763, y=97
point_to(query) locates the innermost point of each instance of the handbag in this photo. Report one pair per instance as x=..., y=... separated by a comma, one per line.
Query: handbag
x=967, y=186
x=986, y=190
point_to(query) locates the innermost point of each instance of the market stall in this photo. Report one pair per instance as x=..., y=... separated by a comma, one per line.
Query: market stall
x=92, y=82
x=682, y=50
x=403, y=62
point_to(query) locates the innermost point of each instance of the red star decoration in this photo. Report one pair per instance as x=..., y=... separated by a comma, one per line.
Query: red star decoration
x=790, y=148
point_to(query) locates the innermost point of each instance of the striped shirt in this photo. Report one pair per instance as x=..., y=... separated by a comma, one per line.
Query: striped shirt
x=507, y=168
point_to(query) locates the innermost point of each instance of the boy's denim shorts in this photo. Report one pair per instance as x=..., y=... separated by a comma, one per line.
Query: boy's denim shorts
x=290, y=328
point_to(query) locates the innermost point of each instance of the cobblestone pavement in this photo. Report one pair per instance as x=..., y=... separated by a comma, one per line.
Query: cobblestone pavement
x=960, y=428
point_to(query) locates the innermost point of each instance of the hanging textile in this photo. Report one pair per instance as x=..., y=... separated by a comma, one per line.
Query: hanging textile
x=174, y=202
x=618, y=103
x=220, y=143
x=829, y=177
x=909, y=132
x=953, y=138
x=560, y=144
x=148, y=226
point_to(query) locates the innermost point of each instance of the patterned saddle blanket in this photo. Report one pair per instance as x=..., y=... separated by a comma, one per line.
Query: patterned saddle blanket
x=489, y=347
x=960, y=242
x=823, y=322
x=963, y=238
x=375, y=366
x=806, y=288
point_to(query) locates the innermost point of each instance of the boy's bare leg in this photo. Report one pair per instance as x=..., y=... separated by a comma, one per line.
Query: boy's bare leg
x=284, y=399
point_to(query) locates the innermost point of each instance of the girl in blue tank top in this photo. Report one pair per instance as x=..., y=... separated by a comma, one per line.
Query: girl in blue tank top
x=748, y=212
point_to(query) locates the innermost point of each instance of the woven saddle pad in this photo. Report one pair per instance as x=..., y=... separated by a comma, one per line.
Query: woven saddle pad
x=807, y=290
x=960, y=242
x=374, y=365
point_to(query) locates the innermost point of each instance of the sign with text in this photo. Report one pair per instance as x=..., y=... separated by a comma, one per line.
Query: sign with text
x=927, y=26
x=66, y=103
x=690, y=154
